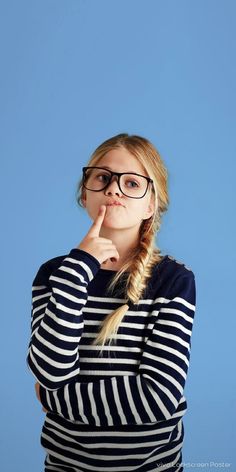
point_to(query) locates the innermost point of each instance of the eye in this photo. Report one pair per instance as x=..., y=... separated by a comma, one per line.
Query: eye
x=133, y=182
x=103, y=176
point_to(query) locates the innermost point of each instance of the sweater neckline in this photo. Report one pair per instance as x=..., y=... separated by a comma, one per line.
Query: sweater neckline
x=108, y=270
x=111, y=271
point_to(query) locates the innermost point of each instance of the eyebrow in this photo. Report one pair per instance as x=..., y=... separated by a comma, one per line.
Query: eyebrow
x=109, y=168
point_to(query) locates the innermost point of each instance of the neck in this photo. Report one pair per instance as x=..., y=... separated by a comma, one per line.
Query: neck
x=124, y=240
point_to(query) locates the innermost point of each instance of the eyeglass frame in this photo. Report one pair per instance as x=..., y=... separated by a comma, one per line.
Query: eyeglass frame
x=119, y=174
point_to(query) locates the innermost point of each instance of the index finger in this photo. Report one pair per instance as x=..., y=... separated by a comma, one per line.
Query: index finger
x=96, y=226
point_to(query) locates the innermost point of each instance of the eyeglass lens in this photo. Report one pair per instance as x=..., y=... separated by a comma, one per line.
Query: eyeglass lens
x=131, y=185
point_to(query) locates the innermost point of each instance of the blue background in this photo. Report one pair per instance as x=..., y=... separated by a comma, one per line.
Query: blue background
x=74, y=73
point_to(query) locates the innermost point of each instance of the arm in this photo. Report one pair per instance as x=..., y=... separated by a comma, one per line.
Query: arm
x=152, y=395
x=57, y=319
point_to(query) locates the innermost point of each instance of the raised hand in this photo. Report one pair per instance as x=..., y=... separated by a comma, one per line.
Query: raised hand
x=101, y=248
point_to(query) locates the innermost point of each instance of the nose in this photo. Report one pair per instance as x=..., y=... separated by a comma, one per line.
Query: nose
x=113, y=185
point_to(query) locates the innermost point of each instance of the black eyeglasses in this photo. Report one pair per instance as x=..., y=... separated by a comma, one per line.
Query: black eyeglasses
x=99, y=178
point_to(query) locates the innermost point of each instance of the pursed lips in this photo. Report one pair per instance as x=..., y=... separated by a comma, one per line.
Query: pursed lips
x=114, y=204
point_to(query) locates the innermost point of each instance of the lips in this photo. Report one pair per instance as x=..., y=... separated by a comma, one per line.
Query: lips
x=114, y=204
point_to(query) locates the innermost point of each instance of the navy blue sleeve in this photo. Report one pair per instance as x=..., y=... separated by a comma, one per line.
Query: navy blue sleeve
x=57, y=319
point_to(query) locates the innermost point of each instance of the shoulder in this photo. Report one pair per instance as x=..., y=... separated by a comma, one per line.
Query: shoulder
x=168, y=273
x=46, y=269
x=176, y=279
x=172, y=266
x=176, y=266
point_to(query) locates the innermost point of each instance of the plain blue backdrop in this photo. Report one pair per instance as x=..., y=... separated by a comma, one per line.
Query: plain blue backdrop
x=74, y=73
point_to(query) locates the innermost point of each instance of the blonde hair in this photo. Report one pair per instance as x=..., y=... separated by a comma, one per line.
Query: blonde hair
x=134, y=274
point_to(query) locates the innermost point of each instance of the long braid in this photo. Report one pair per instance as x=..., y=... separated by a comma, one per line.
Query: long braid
x=144, y=258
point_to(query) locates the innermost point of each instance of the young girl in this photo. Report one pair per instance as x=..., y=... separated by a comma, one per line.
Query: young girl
x=112, y=323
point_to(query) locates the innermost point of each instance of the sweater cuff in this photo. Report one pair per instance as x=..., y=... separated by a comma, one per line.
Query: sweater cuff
x=87, y=258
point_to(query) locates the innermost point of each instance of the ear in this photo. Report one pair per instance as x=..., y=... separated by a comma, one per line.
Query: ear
x=151, y=207
x=83, y=198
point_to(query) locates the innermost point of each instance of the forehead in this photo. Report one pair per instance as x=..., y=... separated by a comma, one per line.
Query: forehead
x=121, y=160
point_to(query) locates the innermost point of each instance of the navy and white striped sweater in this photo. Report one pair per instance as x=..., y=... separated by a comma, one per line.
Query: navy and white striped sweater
x=125, y=408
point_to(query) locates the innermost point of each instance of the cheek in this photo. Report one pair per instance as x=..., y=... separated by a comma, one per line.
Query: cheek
x=135, y=212
x=92, y=211
x=90, y=207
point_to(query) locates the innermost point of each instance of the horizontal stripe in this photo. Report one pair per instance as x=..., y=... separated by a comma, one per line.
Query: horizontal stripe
x=122, y=410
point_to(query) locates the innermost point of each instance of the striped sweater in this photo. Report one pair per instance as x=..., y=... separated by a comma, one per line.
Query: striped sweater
x=120, y=411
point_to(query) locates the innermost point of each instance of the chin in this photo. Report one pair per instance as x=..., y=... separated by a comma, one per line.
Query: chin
x=113, y=224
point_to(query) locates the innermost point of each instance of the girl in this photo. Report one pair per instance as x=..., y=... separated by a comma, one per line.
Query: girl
x=112, y=323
